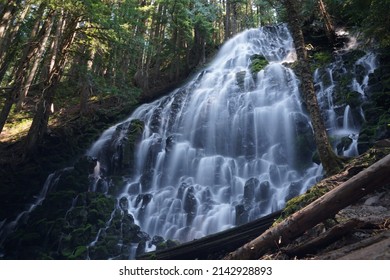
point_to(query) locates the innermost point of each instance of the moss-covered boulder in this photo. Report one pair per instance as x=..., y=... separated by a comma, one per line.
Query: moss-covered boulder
x=258, y=63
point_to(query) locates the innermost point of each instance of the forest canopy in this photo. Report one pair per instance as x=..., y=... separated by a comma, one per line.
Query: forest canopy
x=95, y=49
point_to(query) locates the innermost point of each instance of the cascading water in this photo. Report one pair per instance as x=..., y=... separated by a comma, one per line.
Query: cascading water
x=228, y=147
x=341, y=105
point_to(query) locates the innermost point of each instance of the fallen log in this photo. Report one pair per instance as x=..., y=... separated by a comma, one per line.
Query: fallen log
x=215, y=245
x=346, y=252
x=366, y=181
x=326, y=238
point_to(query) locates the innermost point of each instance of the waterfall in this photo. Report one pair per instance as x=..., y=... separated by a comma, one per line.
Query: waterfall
x=341, y=104
x=228, y=147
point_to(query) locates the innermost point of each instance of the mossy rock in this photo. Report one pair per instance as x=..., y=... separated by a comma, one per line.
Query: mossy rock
x=98, y=252
x=322, y=58
x=258, y=63
x=240, y=78
x=101, y=203
x=79, y=253
x=344, y=144
x=353, y=99
x=115, y=185
x=297, y=203
x=85, y=165
x=81, y=236
x=54, y=206
x=351, y=57
x=72, y=180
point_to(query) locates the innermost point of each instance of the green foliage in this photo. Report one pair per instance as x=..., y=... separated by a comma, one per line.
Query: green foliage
x=258, y=62
x=299, y=202
x=322, y=58
x=378, y=21
x=371, y=16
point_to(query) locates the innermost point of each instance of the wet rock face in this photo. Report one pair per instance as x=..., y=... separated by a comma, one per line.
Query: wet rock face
x=294, y=190
x=144, y=199
x=190, y=204
x=250, y=201
x=249, y=190
x=75, y=223
x=61, y=227
x=118, y=155
x=263, y=191
x=124, y=204
x=242, y=215
x=377, y=116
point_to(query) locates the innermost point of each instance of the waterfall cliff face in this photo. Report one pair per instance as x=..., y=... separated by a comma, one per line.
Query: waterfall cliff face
x=341, y=92
x=228, y=147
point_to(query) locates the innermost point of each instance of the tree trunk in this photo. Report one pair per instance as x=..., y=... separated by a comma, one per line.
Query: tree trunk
x=8, y=56
x=28, y=80
x=6, y=16
x=329, y=159
x=374, y=177
x=329, y=28
x=11, y=34
x=22, y=68
x=325, y=239
x=227, y=20
x=63, y=39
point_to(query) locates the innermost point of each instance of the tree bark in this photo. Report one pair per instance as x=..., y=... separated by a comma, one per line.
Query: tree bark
x=23, y=67
x=325, y=239
x=329, y=28
x=11, y=33
x=63, y=39
x=325, y=207
x=329, y=159
x=8, y=12
x=28, y=80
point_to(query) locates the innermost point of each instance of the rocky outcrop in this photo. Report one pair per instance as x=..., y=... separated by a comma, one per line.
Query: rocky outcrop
x=376, y=109
x=80, y=217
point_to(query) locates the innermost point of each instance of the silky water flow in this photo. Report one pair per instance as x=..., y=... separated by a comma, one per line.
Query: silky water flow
x=230, y=146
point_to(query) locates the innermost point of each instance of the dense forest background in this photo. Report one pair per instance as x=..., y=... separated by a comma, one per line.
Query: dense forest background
x=62, y=54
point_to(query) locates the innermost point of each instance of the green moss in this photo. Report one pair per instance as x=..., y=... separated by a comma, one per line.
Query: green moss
x=258, y=63
x=79, y=253
x=322, y=58
x=299, y=202
x=81, y=236
x=354, y=99
x=116, y=185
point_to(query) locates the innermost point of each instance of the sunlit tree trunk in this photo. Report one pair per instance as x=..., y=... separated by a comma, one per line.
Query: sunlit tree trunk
x=37, y=59
x=63, y=39
x=7, y=14
x=11, y=32
x=21, y=71
x=10, y=42
x=329, y=28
